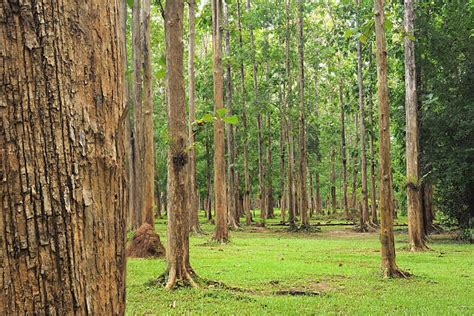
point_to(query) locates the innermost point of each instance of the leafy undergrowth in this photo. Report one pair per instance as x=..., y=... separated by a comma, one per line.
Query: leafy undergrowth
x=333, y=271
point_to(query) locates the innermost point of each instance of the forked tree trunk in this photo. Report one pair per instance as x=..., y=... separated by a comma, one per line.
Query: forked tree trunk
x=179, y=268
x=302, y=133
x=343, y=152
x=389, y=265
x=246, y=204
x=63, y=181
x=416, y=232
x=232, y=217
x=220, y=194
x=193, y=194
x=149, y=152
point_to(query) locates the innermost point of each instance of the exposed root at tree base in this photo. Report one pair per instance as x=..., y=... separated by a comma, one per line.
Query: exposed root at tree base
x=170, y=281
x=396, y=274
x=146, y=244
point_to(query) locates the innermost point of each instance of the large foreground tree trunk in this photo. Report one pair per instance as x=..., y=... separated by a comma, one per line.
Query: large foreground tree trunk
x=179, y=268
x=63, y=189
x=389, y=265
x=416, y=232
x=221, y=233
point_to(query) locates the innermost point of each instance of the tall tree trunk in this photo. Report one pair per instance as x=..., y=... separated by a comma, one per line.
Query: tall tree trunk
x=270, y=203
x=416, y=232
x=291, y=154
x=343, y=152
x=248, y=217
x=221, y=233
x=333, y=180
x=208, y=177
x=355, y=158
x=261, y=167
x=177, y=255
x=193, y=194
x=232, y=194
x=387, y=241
x=360, y=81
x=63, y=187
x=302, y=133
x=149, y=152
x=283, y=175
x=137, y=91
x=318, y=149
x=373, y=191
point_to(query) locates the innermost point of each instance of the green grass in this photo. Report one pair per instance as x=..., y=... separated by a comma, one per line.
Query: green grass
x=341, y=264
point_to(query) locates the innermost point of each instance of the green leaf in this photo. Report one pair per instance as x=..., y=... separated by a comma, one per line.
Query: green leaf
x=130, y=3
x=231, y=119
x=388, y=24
x=207, y=117
x=221, y=112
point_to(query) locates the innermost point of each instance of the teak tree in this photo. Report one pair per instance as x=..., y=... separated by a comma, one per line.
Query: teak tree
x=63, y=188
x=416, y=232
x=387, y=241
x=179, y=268
x=220, y=195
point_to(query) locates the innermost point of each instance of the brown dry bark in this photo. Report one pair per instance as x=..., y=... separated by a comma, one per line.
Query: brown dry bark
x=416, y=232
x=221, y=233
x=63, y=182
x=179, y=268
x=388, y=264
x=193, y=193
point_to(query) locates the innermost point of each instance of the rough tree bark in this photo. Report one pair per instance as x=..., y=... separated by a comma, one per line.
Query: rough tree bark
x=63, y=181
x=149, y=152
x=193, y=194
x=221, y=233
x=389, y=265
x=248, y=217
x=303, y=163
x=416, y=232
x=232, y=216
x=179, y=268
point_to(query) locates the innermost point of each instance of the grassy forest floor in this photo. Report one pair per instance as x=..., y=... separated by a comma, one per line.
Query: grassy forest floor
x=262, y=267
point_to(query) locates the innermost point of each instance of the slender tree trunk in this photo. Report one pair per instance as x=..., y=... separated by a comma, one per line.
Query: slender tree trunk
x=232, y=196
x=179, y=267
x=221, y=233
x=291, y=155
x=63, y=187
x=416, y=232
x=355, y=158
x=318, y=149
x=373, y=191
x=428, y=211
x=333, y=180
x=248, y=217
x=360, y=81
x=138, y=139
x=193, y=194
x=269, y=174
x=302, y=133
x=283, y=178
x=343, y=152
x=149, y=152
x=208, y=177
x=389, y=265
